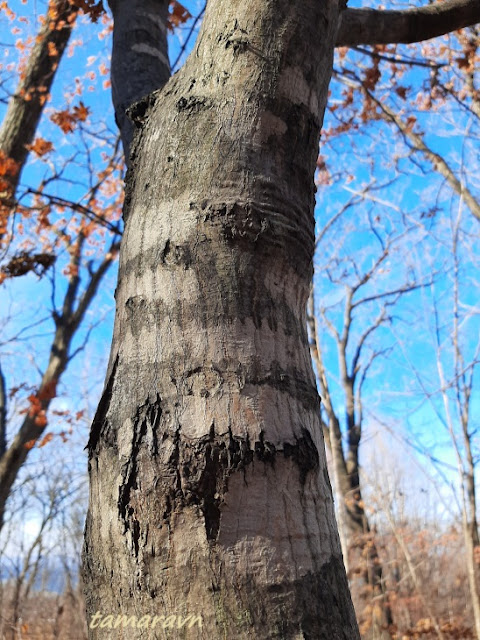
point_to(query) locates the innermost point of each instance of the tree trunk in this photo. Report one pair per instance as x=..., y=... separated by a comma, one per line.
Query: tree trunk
x=470, y=524
x=365, y=567
x=26, y=106
x=140, y=62
x=67, y=321
x=358, y=544
x=209, y=489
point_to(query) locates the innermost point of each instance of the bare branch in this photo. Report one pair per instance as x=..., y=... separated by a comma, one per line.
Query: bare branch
x=370, y=26
x=67, y=322
x=3, y=414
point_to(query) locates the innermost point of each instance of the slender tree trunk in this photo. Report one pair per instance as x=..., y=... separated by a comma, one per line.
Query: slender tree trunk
x=67, y=322
x=472, y=571
x=365, y=567
x=26, y=106
x=358, y=545
x=470, y=525
x=209, y=489
x=140, y=62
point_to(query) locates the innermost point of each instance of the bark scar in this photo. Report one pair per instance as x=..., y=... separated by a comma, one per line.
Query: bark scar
x=100, y=415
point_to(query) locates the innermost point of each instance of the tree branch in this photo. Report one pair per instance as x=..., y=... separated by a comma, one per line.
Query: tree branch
x=3, y=414
x=369, y=26
x=140, y=62
x=26, y=105
x=67, y=324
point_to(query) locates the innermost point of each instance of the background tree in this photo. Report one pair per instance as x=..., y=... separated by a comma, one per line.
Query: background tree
x=448, y=386
x=85, y=241
x=26, y=105
x=418, y=92
x=361, y=290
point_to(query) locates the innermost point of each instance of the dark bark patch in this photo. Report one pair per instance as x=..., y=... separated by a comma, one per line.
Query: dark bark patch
x=139, y=111
x=204, y=468
x=193, y=104
x=173, y=255
x=265, y=450
x=147, y=418
x=316, y=606
x=197, y=473
x=99, y=421
x=289, y=381
x=305, y=454
x=324, y=601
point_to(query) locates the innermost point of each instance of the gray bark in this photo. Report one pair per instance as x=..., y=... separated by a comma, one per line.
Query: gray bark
x=209, y=493
x=369, y=26
x=140, y=62
x=209, y=489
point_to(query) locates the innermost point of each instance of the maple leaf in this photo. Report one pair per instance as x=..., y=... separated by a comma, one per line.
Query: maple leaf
x=81, y=112
x=45, y=440
x=90, y=8
x=66, y=119
x=40, y=147
x=178, y=15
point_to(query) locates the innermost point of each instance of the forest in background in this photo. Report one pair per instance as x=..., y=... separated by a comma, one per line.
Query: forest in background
x=393, y=316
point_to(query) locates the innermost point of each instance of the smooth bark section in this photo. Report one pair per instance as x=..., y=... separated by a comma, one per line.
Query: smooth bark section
x=209, y=493
x=140, y=62
x=26, y=105
x=370, y=26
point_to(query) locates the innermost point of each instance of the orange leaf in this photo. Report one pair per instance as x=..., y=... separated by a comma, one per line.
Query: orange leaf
x=41, y=420
x=81, y=112
x=64, y=120
x=48, y=391
x=40, y=147
x=178, y=15
x=45, y=440
x=8, y=167
x=90, y=8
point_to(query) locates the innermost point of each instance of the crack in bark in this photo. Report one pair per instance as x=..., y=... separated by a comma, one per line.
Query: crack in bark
x=193, y=104
x=139, y=111
x=99, y=420
x=147, y=418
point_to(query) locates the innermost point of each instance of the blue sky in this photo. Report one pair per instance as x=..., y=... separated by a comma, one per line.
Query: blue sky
x=371, y=154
